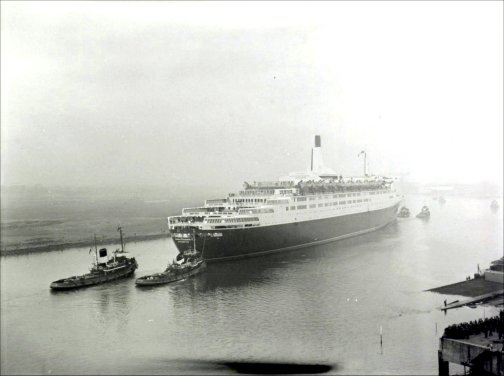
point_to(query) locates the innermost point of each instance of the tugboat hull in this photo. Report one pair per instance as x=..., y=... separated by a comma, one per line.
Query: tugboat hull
x=167, y=277
x=255, y=241
x=92, y=279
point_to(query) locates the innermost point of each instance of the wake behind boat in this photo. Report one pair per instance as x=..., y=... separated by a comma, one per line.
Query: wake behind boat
x=104, y=269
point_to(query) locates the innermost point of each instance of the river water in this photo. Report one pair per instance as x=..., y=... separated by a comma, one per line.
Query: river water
x=322, y=305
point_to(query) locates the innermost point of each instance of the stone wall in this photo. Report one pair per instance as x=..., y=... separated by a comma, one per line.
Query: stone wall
x=458, y=351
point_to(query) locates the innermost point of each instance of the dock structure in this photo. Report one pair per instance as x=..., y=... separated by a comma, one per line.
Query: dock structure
x=491, y=297
x=481, y=359
x=477, y=345
x=470, y=288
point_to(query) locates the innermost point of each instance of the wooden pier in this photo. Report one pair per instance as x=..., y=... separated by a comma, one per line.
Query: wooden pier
x=478, y=299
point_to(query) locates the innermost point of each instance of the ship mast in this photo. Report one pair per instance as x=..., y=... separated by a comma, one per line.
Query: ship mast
x=95, y=250
x=120, y=233
x=365, y=161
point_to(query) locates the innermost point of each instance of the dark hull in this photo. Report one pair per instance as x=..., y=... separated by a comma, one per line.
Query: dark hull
x=92, y=279
x=254, y=241
x=162, y=278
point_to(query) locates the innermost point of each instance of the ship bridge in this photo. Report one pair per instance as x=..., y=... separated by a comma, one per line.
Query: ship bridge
x=261, y=193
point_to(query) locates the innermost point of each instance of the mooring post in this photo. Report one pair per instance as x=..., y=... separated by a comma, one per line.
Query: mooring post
x=443, y=365
x=381, y=340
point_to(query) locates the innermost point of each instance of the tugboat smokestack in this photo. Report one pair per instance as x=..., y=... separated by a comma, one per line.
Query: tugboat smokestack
x=317, y=163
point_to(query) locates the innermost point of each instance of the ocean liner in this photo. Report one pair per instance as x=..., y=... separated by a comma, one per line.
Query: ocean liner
x=299, y=210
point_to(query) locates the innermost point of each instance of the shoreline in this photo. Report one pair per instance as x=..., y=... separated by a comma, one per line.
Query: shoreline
x=77, y=244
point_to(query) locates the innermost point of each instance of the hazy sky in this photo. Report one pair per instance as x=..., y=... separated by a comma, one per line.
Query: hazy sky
x=218, y=93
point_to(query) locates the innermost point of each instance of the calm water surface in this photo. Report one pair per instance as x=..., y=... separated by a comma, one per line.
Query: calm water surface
x=322, y=304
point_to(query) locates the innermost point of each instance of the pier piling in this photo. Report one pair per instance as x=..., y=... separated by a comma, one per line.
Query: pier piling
x=443, y=365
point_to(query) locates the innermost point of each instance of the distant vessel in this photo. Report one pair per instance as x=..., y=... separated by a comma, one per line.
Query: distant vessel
x=404, y=212
x=494, y=204
x=442, y=200
x=192, y=264
x=104, y=269
x=299, y=210
x=424, y=213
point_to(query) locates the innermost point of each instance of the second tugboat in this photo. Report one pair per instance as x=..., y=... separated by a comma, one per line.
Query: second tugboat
x=104, y=269
x=192, y=264
x=424, y=213
x=404, y=212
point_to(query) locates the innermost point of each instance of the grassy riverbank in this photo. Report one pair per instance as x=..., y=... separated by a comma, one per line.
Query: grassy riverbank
x=45, y=235
x=61, y=246
x=45, y=220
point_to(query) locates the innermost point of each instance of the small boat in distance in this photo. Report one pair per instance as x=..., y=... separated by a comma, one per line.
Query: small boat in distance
x=424, y=213
x=104, y=269
x=442, y=200
x=404, y=212
x=192, y=264
x=494, y=204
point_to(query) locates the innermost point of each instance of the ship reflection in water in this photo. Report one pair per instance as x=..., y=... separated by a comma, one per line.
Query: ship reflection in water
x=321, y=306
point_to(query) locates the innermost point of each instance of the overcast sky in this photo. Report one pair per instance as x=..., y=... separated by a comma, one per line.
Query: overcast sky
x=149, y=93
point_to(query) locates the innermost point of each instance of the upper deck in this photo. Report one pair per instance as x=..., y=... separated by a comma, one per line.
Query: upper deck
x=271, y=203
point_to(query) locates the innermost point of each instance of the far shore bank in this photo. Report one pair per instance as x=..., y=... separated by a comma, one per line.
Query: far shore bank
x=78, y=244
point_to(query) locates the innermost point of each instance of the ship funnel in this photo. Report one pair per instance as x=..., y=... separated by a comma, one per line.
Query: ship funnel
x=317, y=164
x=102, y=256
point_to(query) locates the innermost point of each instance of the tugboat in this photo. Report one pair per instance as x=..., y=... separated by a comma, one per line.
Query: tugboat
x=404, y=212
x=192, y=264
x=494, y=205
x=424, y=213
x=104, y=269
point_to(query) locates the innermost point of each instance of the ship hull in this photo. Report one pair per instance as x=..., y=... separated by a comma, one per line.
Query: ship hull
x=254, y=241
